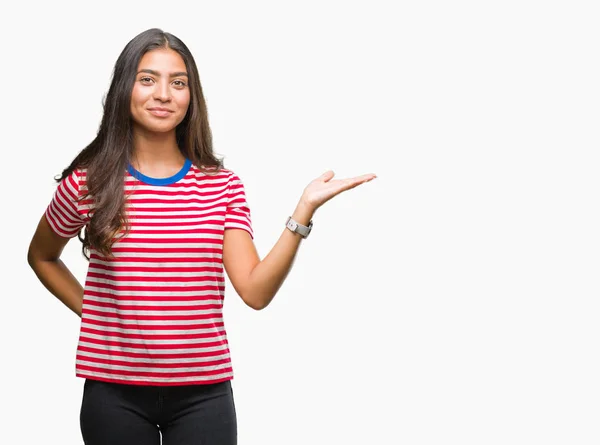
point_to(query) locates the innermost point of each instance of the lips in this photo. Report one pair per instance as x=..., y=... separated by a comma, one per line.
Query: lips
x=160, y=111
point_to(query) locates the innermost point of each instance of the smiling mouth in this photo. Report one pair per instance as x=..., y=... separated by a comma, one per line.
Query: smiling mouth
x=160, y=112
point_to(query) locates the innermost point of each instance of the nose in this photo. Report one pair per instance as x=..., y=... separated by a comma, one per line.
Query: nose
x=162, y=92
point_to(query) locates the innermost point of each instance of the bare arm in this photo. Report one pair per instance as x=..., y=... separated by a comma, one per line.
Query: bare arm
x=256, y=281
x=44, y=258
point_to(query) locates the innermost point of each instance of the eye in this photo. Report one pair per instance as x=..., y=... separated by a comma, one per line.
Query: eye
x=179, y=83
x=145, y=79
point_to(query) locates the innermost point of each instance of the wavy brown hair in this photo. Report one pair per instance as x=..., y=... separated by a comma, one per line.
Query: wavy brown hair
x=106, y=158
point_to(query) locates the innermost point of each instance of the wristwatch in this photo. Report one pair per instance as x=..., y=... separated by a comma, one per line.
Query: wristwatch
x=296, y=227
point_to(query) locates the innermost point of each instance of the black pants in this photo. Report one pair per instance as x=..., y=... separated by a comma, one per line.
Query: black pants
x=118, y=414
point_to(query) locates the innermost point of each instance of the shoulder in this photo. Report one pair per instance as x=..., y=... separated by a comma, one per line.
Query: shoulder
x=75, y=181
x=221, y=175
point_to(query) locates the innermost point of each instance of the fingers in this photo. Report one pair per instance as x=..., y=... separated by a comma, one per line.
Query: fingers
x=357, y=180
x=365, y=178
x=343, y=185
x=329, y=174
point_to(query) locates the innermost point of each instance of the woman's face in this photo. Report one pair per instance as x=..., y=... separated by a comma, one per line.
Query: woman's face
x=160, y=96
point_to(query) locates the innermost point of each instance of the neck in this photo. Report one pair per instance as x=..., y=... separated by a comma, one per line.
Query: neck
x=153, y=151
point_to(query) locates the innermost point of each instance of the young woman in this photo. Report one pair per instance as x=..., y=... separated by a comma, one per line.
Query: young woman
x=160, y=220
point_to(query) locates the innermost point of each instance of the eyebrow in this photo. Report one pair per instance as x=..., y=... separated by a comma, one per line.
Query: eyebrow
x=156, y=73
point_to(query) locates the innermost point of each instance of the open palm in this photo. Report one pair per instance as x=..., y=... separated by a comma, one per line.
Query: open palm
x=323, y=188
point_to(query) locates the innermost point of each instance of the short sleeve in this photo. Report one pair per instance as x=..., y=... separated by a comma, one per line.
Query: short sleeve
x=238, y=212
x=63, y=213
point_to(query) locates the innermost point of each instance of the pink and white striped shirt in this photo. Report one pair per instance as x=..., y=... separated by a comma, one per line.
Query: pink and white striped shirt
x=153, y=314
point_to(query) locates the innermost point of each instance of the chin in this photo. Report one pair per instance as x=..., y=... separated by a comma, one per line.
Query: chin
x=160, y=128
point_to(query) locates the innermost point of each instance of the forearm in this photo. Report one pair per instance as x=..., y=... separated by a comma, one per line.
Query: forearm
x=268, y=275
x=61, y=283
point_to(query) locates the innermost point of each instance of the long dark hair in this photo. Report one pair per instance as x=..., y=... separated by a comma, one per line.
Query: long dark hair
x=107, y=156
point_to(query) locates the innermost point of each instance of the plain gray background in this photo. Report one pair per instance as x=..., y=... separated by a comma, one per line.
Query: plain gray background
x=452, y=300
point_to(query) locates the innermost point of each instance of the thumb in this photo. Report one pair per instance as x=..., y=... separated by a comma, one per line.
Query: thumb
x=327, y=175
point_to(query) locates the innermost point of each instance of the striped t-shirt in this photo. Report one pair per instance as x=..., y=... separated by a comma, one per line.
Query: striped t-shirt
x=152, y=315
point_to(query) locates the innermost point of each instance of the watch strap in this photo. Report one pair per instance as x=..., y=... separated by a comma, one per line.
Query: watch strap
x=296, y=227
